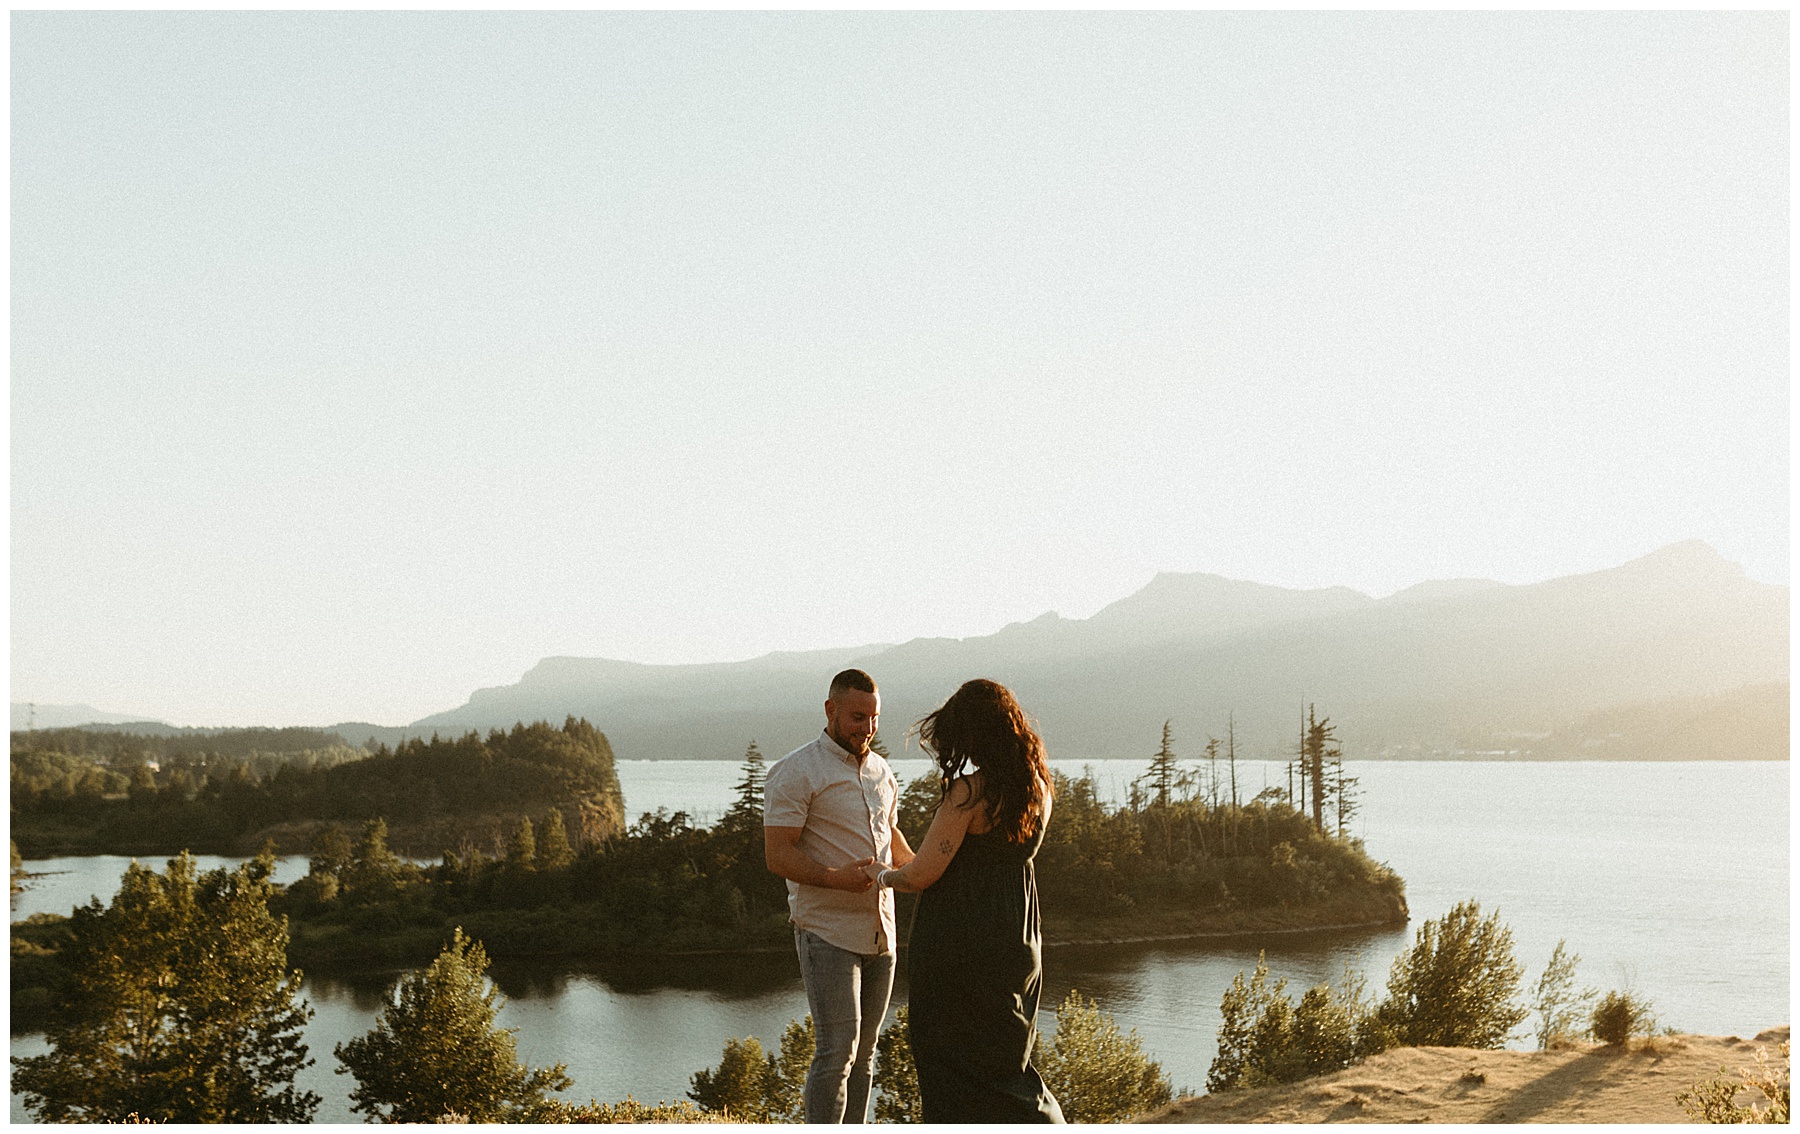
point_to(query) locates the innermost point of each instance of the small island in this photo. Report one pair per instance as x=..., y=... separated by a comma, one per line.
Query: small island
x=519, y=838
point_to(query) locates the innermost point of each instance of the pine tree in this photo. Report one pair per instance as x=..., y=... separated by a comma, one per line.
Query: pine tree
x=746, y=812
x=1164, y=770
x=554, y=852
x=521, y=848
x=332, y=852
x=1342, y=789
x=1212, y=773
x=373, y=873
x=436, y=1050
x=181, y=1007
x=1315, y=749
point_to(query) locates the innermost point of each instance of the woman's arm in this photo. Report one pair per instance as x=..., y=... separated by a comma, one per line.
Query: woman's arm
x=948, y=826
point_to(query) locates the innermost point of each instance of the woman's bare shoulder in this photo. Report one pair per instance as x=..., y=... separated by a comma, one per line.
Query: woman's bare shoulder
x=964, y=790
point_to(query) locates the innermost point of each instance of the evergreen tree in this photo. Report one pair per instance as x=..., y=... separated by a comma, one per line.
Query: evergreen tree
x=521, y=848
x=436, y=1050
x=1315, y=749
x=329, y=865
x=1212, y=772
x=180, y=1006
x=1164, y=771
x=373, y=873
x=554, y=851
x=746, y=812
x=1341, y=789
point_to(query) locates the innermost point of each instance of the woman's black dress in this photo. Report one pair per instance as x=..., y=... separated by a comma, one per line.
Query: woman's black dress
x=974, y=970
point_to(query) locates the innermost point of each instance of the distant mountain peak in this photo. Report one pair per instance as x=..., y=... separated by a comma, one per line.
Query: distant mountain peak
x=1175, y=604
x=1687, y=556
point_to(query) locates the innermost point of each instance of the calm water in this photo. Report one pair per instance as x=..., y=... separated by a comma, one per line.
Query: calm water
x=1670, y=879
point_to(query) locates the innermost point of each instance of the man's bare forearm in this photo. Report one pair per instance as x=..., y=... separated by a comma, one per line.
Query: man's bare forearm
x=794, y=864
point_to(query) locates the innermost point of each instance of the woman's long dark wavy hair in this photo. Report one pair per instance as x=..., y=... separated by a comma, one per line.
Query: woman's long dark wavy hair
x=982, y=725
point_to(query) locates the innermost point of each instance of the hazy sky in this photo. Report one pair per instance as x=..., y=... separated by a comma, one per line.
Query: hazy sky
x=361, y=360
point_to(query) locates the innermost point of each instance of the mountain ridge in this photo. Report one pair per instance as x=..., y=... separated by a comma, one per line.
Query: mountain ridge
x=1429, y=665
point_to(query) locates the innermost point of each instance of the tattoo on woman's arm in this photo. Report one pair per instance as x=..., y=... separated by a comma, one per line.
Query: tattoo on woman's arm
x=946, y=845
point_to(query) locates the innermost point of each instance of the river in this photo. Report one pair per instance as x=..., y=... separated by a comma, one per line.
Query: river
x=1670, y=879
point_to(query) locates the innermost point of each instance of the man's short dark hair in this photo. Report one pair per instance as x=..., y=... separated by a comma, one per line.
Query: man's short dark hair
x=850, y=679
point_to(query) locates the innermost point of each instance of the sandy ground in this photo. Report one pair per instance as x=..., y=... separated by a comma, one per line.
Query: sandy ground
x=1449, y=1084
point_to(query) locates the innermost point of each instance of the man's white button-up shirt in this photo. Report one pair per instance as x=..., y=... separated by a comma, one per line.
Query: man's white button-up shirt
x=845, y=808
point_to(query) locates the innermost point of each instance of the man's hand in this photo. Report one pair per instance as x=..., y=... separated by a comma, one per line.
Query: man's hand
x=855, y=877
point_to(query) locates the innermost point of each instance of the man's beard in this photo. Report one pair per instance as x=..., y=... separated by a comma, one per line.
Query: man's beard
x=847, y=746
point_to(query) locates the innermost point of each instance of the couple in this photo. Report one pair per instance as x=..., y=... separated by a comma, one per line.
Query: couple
x=973, y=963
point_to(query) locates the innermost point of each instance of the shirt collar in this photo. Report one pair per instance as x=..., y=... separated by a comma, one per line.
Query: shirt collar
x=840, y=751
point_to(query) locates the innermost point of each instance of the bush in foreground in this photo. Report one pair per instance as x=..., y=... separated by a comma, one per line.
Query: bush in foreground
x=1264, y=1038
x=435, y=1051
x=1715, y=1100
x=896, y=1076
x=749, y=1086
x=179, y=1006
x=628, y=1110
x=1560, y=1007
x=1098, y=1073
x=1619, y=1016
x=1457, y=986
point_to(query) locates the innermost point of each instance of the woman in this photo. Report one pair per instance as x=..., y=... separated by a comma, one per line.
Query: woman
x=974, y=963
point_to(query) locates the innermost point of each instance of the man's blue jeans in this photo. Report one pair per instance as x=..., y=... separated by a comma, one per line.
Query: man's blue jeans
x=848, y=996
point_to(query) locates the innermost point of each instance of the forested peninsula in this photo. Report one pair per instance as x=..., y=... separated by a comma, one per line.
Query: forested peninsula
x=519, y=839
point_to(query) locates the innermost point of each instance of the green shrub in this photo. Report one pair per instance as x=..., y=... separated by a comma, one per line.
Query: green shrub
x=1096, y=1072
x=750, y=1086
x=739, y=1087
x=1715, y=1100
x=1619, y=1016
x=436, y=1051
x=1456, y=986
x=896, y=1076
x=1560, y=1008
x=629, y=1110
x=1263, y=1038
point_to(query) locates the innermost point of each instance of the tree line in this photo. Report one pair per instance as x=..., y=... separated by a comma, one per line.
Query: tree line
x=1168, y=862
x=151, y=794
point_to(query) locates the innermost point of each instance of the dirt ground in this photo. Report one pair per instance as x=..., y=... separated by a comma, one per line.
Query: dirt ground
x=1449, y=1084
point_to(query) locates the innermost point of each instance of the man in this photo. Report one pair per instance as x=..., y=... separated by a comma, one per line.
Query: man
x=828, y=808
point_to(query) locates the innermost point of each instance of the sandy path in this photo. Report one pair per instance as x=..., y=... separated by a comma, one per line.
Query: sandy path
x=1447, y=1084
